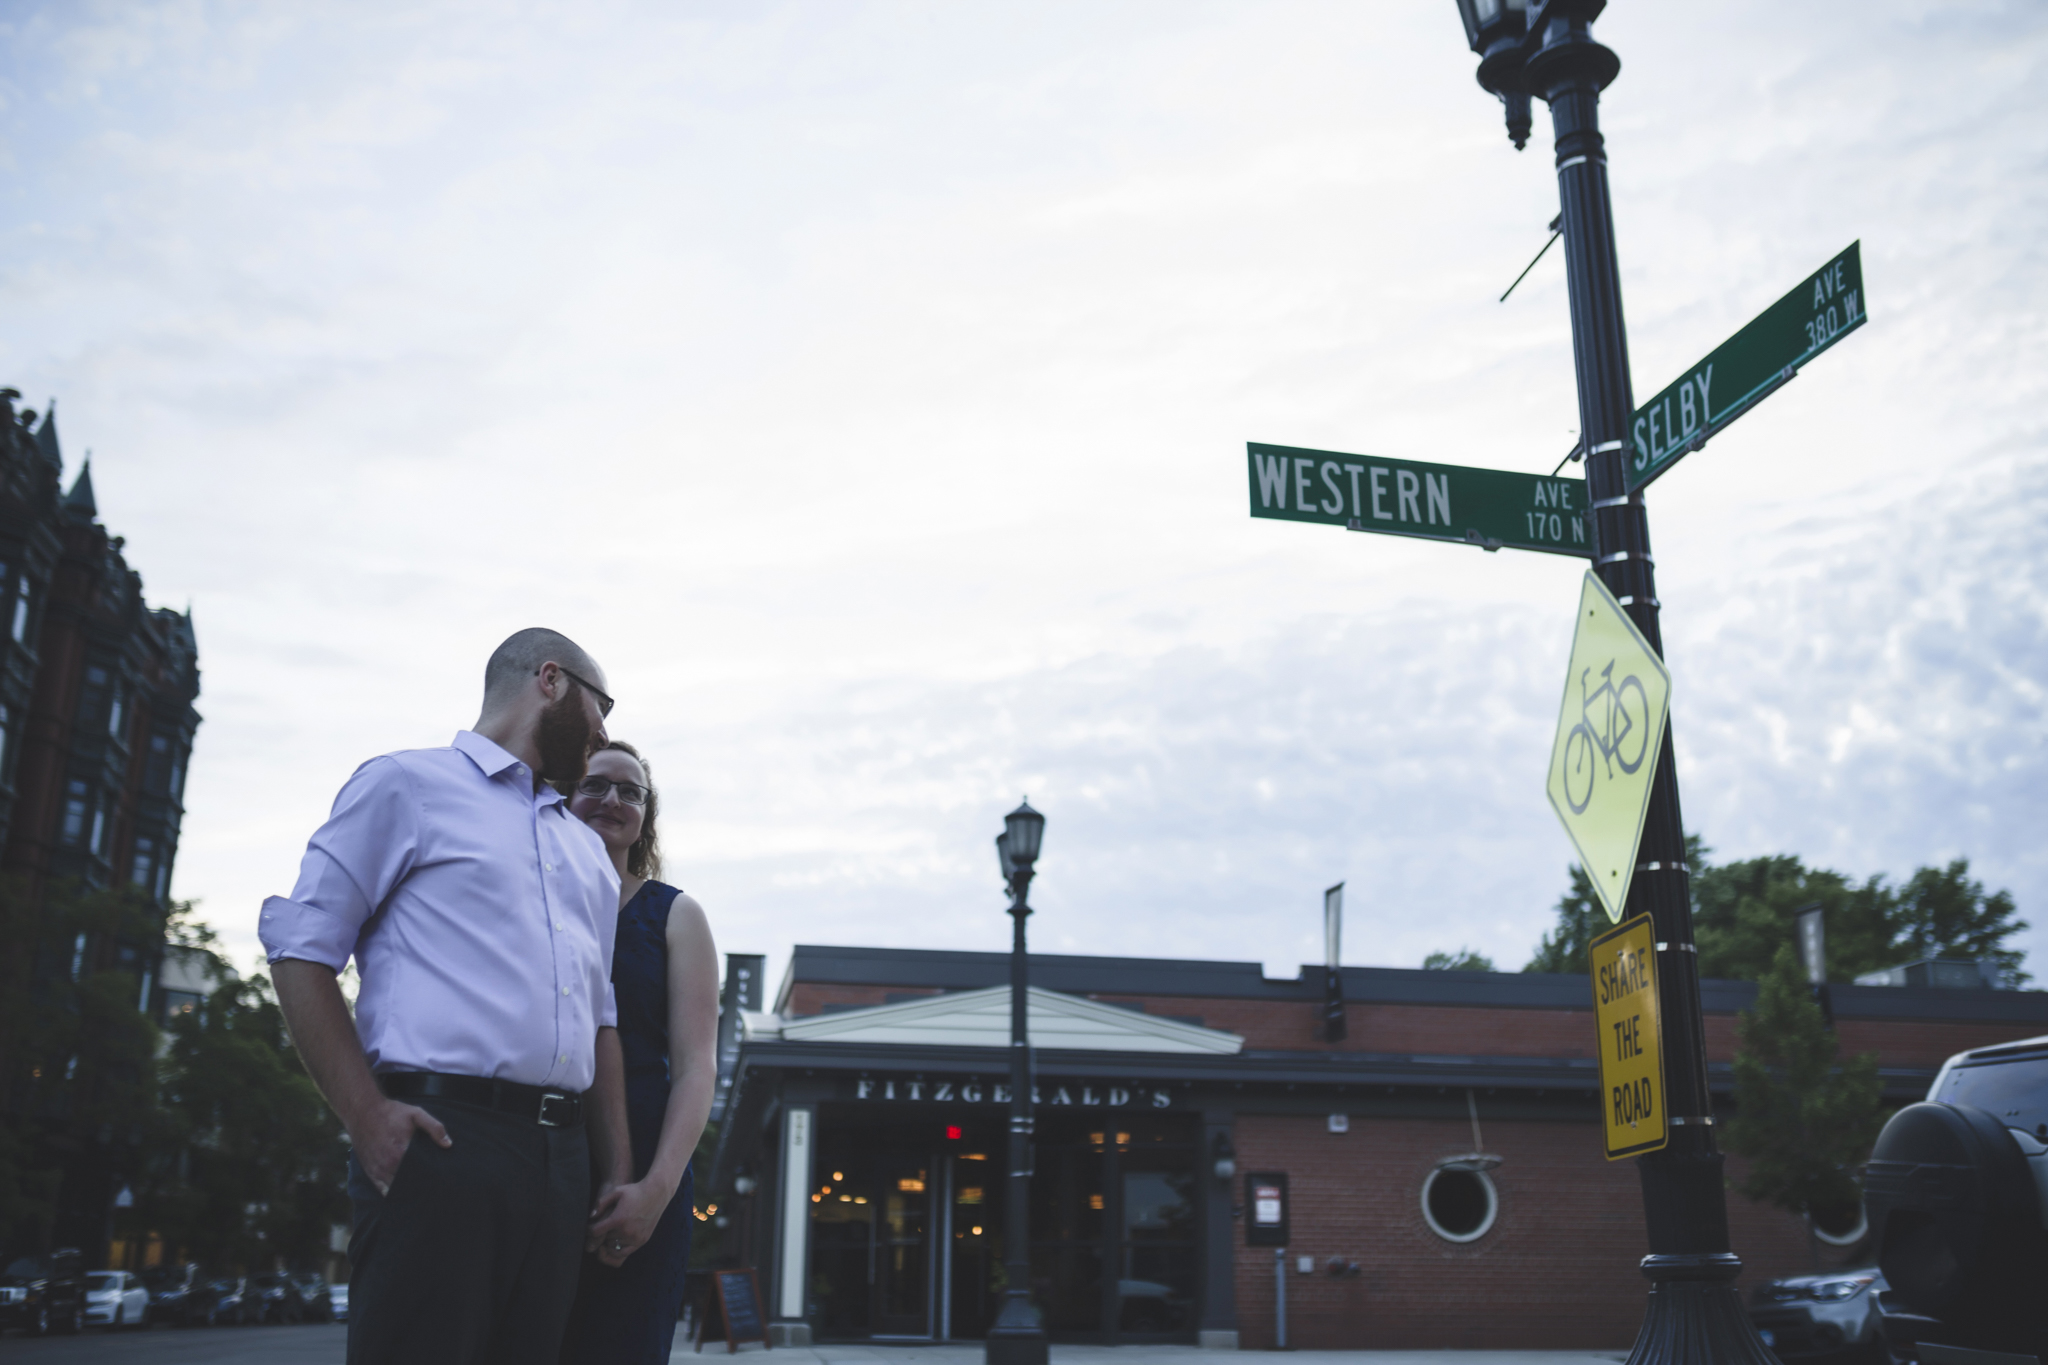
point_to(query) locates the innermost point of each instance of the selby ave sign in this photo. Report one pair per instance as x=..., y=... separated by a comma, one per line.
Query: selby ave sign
x=1747, y=367
x=1485, y=507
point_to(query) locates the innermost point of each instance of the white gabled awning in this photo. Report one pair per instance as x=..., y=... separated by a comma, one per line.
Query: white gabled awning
x=982, y=1019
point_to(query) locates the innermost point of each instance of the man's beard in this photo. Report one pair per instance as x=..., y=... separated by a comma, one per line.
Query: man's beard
x=564, y=739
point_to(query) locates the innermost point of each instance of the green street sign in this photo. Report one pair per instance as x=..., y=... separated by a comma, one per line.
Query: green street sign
x=1484, y=507
x=1741, y=371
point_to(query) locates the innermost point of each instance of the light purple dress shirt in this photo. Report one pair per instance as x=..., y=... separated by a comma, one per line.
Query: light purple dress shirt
x=481, y=916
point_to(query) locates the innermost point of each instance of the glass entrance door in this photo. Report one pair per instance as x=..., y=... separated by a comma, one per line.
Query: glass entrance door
x=903, y=1251
x=872, y=1216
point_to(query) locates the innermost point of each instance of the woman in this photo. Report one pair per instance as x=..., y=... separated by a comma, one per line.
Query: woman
x=665, y=972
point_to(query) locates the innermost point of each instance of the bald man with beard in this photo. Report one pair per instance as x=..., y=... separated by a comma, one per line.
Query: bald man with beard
x=481, y=1080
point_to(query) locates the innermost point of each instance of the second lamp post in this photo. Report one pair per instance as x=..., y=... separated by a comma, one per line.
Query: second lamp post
x=1018, y=1334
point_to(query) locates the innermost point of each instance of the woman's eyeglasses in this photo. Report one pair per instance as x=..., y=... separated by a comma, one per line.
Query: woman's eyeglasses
x=632, y=793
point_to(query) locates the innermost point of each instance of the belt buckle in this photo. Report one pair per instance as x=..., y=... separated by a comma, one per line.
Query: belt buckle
x=567, y=1105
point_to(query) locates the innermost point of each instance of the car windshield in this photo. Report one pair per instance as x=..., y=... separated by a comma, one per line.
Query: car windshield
x=162, y=1279
x=103, y=1279
x=225, y=1286
x=2016, y=1091
x=28, y=1267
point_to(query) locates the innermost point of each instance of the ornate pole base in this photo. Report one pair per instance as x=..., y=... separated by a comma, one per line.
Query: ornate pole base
x=1018, y=1336
x=1695, y=1316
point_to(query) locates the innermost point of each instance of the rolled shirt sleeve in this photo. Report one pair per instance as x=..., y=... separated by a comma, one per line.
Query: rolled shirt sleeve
x=352, y=864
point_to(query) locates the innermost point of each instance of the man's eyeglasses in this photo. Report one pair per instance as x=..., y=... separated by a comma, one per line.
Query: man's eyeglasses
x=604, y=702
x=632, y=793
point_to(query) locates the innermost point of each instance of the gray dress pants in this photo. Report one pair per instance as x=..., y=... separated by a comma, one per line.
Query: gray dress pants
x=473, y=1255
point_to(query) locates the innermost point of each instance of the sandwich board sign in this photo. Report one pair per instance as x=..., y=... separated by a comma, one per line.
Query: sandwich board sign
x=1625, y=1010
x=1610, y=729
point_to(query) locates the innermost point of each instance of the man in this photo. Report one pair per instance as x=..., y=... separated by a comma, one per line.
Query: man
x=481, y=917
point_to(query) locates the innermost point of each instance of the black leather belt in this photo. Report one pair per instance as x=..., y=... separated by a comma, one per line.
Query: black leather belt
x=548, y=1108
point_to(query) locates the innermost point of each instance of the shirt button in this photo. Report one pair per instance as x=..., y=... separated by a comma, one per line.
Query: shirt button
x=558, y=924
x=565, y=990
x=549, y=866
x=563, y=1058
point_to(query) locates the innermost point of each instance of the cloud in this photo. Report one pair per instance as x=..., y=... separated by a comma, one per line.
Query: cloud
x=868, y=385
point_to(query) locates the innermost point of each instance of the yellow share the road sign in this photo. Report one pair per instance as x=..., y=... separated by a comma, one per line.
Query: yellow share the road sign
x=1631, y=1039
x=1616, y=697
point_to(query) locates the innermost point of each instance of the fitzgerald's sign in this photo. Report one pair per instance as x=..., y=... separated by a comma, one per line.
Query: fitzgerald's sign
x=1046, y=1094
x=1631, y=1041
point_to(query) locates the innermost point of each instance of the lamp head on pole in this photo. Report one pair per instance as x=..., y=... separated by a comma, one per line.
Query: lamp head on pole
x=1023, y=832
x=1496, y=30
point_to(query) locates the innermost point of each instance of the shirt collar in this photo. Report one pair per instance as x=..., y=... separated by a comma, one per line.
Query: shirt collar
x=487, y=754
x=494, y=760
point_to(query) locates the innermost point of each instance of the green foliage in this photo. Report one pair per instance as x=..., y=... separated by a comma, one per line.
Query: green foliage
x=1804, y=1118
x=1464, y=960
x=1581, y=918
x=1743, y=913
x=231, y=1153
x=80, y=1052
x=259, y=1162
x=1942, y=913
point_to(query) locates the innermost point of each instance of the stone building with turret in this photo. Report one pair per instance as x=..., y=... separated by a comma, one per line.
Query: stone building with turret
x=97, y=719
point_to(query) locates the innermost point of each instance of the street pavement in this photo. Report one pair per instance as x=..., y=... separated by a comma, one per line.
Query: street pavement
x=970, y=1353
x=324, y=1345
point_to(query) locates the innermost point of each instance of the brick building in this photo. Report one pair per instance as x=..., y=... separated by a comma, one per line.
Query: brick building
x=867, y=1111
x=96, y=729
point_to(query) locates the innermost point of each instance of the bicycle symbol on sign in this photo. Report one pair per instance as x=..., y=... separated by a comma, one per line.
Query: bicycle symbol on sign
x=1625, y=718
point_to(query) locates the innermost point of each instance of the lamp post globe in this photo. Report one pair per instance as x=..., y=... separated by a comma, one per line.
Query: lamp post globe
x=1496, y=29
x=1024, y=831
x=1017, y=1337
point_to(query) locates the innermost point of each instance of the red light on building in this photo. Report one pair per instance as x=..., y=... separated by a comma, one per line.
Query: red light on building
x=952, y=1132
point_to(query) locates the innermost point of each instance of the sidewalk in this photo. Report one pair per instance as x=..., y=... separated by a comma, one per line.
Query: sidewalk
x=970, y=1353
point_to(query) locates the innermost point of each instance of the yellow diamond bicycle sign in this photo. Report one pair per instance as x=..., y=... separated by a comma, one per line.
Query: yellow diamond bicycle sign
x=1616, y=696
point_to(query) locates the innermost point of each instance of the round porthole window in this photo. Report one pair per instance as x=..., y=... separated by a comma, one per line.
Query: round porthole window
x=1459, y=1206
x=1840, y=1227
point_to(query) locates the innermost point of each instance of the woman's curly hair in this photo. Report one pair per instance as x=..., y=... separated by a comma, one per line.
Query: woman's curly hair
x=643, y=859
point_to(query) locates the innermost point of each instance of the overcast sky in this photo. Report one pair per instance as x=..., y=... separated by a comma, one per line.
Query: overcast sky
x=867, y=385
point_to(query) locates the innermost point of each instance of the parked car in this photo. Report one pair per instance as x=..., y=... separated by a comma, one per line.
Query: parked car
x=224, y=1302
x=337, y=1299
x=115, y=1298
x=168, y=1287
x=276, y=1299
x=1956, y=1191
x=313, y=1293
x=1818, y=1318
x=44, y=1293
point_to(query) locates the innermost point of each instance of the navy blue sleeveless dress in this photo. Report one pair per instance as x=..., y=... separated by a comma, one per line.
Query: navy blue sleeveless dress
x=628, y=1316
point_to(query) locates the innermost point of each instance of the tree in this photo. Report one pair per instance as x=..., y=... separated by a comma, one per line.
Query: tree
x=1464, y=960
x=1942, y=913
x=1804, y=1118
x=1581, y=918
x=79, y=1080
x=256, y=1166
x=1743, y=913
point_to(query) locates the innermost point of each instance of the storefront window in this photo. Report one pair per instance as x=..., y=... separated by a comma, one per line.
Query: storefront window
x=907, y=1224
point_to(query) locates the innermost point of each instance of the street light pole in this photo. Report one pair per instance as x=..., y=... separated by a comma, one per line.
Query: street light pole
x=1545, y=48
x=1017, y=1336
